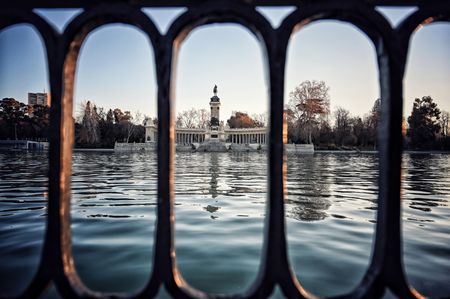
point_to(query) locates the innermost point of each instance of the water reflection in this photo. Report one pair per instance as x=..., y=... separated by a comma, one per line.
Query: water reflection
x=308, y=188
x=214, y=171
x=220, y=207
x=426, y=179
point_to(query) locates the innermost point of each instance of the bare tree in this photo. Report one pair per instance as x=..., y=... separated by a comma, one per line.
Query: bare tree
x=308, y=103
x=343, y=125
x=260, y=119
x=204, y=117
x=193, y=118
x=130, y=123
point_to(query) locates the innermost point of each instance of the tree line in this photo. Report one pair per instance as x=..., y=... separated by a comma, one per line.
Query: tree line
x=93, y=127
x=308, y=117
x=96, y=127
x=19, y=121
x=307, y=114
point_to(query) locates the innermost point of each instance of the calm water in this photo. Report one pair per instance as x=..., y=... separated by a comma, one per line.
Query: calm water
x=219, y=209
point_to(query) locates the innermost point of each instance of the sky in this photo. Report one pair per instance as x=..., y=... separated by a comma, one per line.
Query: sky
x=116, y=67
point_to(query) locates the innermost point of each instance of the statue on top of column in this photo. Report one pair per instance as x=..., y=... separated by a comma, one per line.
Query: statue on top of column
x=215, y=90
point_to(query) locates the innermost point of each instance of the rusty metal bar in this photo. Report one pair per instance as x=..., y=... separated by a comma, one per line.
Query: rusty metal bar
x=385, y=271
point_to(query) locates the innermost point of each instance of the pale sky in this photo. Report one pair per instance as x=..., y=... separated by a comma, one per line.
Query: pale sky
x=116, y=67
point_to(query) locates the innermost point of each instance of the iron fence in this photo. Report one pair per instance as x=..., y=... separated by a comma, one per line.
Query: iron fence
x=385, y=270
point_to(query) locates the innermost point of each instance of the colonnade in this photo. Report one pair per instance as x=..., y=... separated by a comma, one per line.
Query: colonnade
x=247, y=138
x=237, y=138
x=188, y=138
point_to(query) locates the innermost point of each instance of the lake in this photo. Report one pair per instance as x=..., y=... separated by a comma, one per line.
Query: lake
x=219, y=209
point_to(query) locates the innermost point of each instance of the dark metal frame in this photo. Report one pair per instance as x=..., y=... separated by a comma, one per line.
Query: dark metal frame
x=386, y=267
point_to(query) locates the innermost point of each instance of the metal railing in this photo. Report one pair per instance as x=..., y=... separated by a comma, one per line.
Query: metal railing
x=386, y=268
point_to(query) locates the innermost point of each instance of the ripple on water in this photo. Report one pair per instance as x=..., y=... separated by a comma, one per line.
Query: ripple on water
x=23, y=197
x=219, y=212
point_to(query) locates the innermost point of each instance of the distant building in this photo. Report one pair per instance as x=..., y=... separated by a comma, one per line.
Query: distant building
x=39, y=98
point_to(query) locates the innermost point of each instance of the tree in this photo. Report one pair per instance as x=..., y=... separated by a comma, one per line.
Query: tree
x=372, y=122
x=118, y=115
x=308, y=103
x=193, y=118
x=130, y=124
x=204, y=117
x=343, y=127
x=242, y=120
x=107, y=128
x=326, y=135
x=89, y=130
x=424, y=123
x=260, y=119
x=21, y=121
x=445, y=125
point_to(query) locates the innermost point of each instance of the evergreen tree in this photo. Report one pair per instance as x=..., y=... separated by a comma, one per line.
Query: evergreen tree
x=424, y=123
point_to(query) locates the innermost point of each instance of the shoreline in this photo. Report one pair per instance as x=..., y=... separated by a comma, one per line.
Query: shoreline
x=315, y=151
x=111, y=150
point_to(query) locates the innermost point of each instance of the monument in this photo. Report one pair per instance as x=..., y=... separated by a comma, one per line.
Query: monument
x=215, y=142
x=216, y=137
